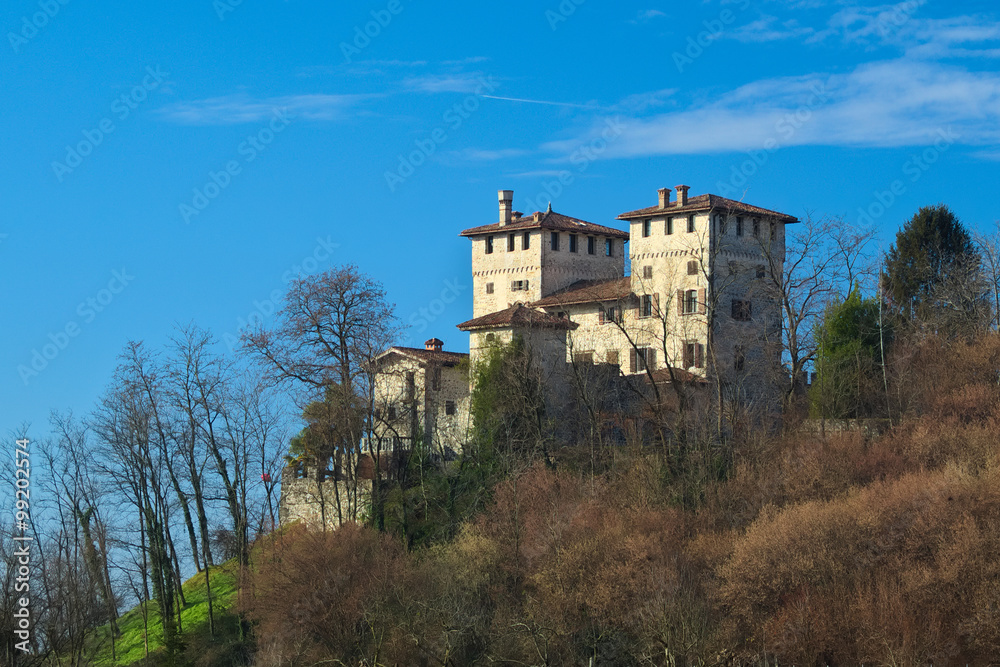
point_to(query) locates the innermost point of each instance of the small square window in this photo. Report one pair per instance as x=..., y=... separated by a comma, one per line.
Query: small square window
x=647, y=272
x=742, y=310
x=449, y=407
x=554, y=237
x=392, y=413
x=591, y=245
x=489, y=288
x=693, y=267
x=572, y=242
x=760, y=272
x=489, y=245
x=612, y=357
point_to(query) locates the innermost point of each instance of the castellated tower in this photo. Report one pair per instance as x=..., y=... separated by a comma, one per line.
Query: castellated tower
x=521, y=259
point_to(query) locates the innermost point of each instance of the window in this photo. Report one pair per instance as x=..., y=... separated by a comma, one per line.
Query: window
x=555, y=240
x=694, y=355
x=612, y=357
x=449, y=407
x=610, y=314
x=739, y=359
x=646, y=306
x=647, y=226
x=742, y=310
x=510, y=242
x=526, y=241
x=572, y=242
x=491, y=338
x=591, y=245
x=519, y=286
x=690, y=302
x=609, y=247
x=739, y=225
x=756, y=228
x=582, y=358
x=669, y=228
x=693, y=267
x=642, y=358
x=392, y=413
x=772, y=230
x=489, y=288
x=723, y=224
x=691, y=226
x=436, y=379
x=489, y=245
x=760, y=272
x=647, y=272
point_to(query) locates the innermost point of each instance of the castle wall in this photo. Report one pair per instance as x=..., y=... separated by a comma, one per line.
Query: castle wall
x=315, y=503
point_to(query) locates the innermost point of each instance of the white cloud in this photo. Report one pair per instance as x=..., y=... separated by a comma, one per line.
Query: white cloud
x=892, y=103
x=242, y=108
x=445, y=83
x=769, y=29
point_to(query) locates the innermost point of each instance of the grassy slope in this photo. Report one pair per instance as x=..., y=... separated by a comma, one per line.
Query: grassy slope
x=130, y=646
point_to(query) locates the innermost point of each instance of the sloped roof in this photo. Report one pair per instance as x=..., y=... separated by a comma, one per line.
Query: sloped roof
x=518, y=315
x=708, y=203
x=588, y=291
x=548, y=220
x=443, y=358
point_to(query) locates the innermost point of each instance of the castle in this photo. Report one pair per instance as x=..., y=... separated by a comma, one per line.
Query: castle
x=695, y=305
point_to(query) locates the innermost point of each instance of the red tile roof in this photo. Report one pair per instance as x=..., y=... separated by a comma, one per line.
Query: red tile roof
x=444, y=358
x=588, y=291
x=548, y=220
x=518, y=315
x=709, y=203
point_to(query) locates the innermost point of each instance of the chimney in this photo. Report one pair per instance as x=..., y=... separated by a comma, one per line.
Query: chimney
x=664, y=197
x=434, y=345
x=682, y=195
x=506, y=198
x=538, y=216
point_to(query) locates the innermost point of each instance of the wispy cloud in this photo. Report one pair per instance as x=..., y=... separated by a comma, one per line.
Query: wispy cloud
x=647, y=15
x=770, y=29
x=892, y=103
x=445, y=83
x=242, y=108
x=487, y=155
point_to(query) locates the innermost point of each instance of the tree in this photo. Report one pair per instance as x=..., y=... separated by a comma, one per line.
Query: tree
x=849, y=369
x=933, y=273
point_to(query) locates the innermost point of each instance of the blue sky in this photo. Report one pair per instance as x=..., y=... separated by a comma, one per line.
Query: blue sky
x=179, y=162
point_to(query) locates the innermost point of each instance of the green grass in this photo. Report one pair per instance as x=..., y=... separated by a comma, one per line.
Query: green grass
x=130, y=647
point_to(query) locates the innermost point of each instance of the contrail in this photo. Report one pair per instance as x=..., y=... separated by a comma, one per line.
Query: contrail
x=555, y=104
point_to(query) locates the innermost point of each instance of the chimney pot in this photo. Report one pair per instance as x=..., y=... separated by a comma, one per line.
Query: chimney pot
x=434, y=345
x=664, y=197
x=682, y=195
x=506, y=198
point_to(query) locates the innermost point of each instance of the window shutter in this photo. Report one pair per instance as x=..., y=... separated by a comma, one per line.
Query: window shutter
x=699, y=356
x=702, y=301
x=631, y=360
x=680, y=302
x=651, y=358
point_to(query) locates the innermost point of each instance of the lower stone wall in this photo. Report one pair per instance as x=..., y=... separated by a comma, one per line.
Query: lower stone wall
x=315, y=503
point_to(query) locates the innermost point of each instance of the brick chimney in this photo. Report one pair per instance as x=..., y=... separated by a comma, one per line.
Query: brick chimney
x=682, y=195
x=434, y=345
x=664, y=197
x=506, y=198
